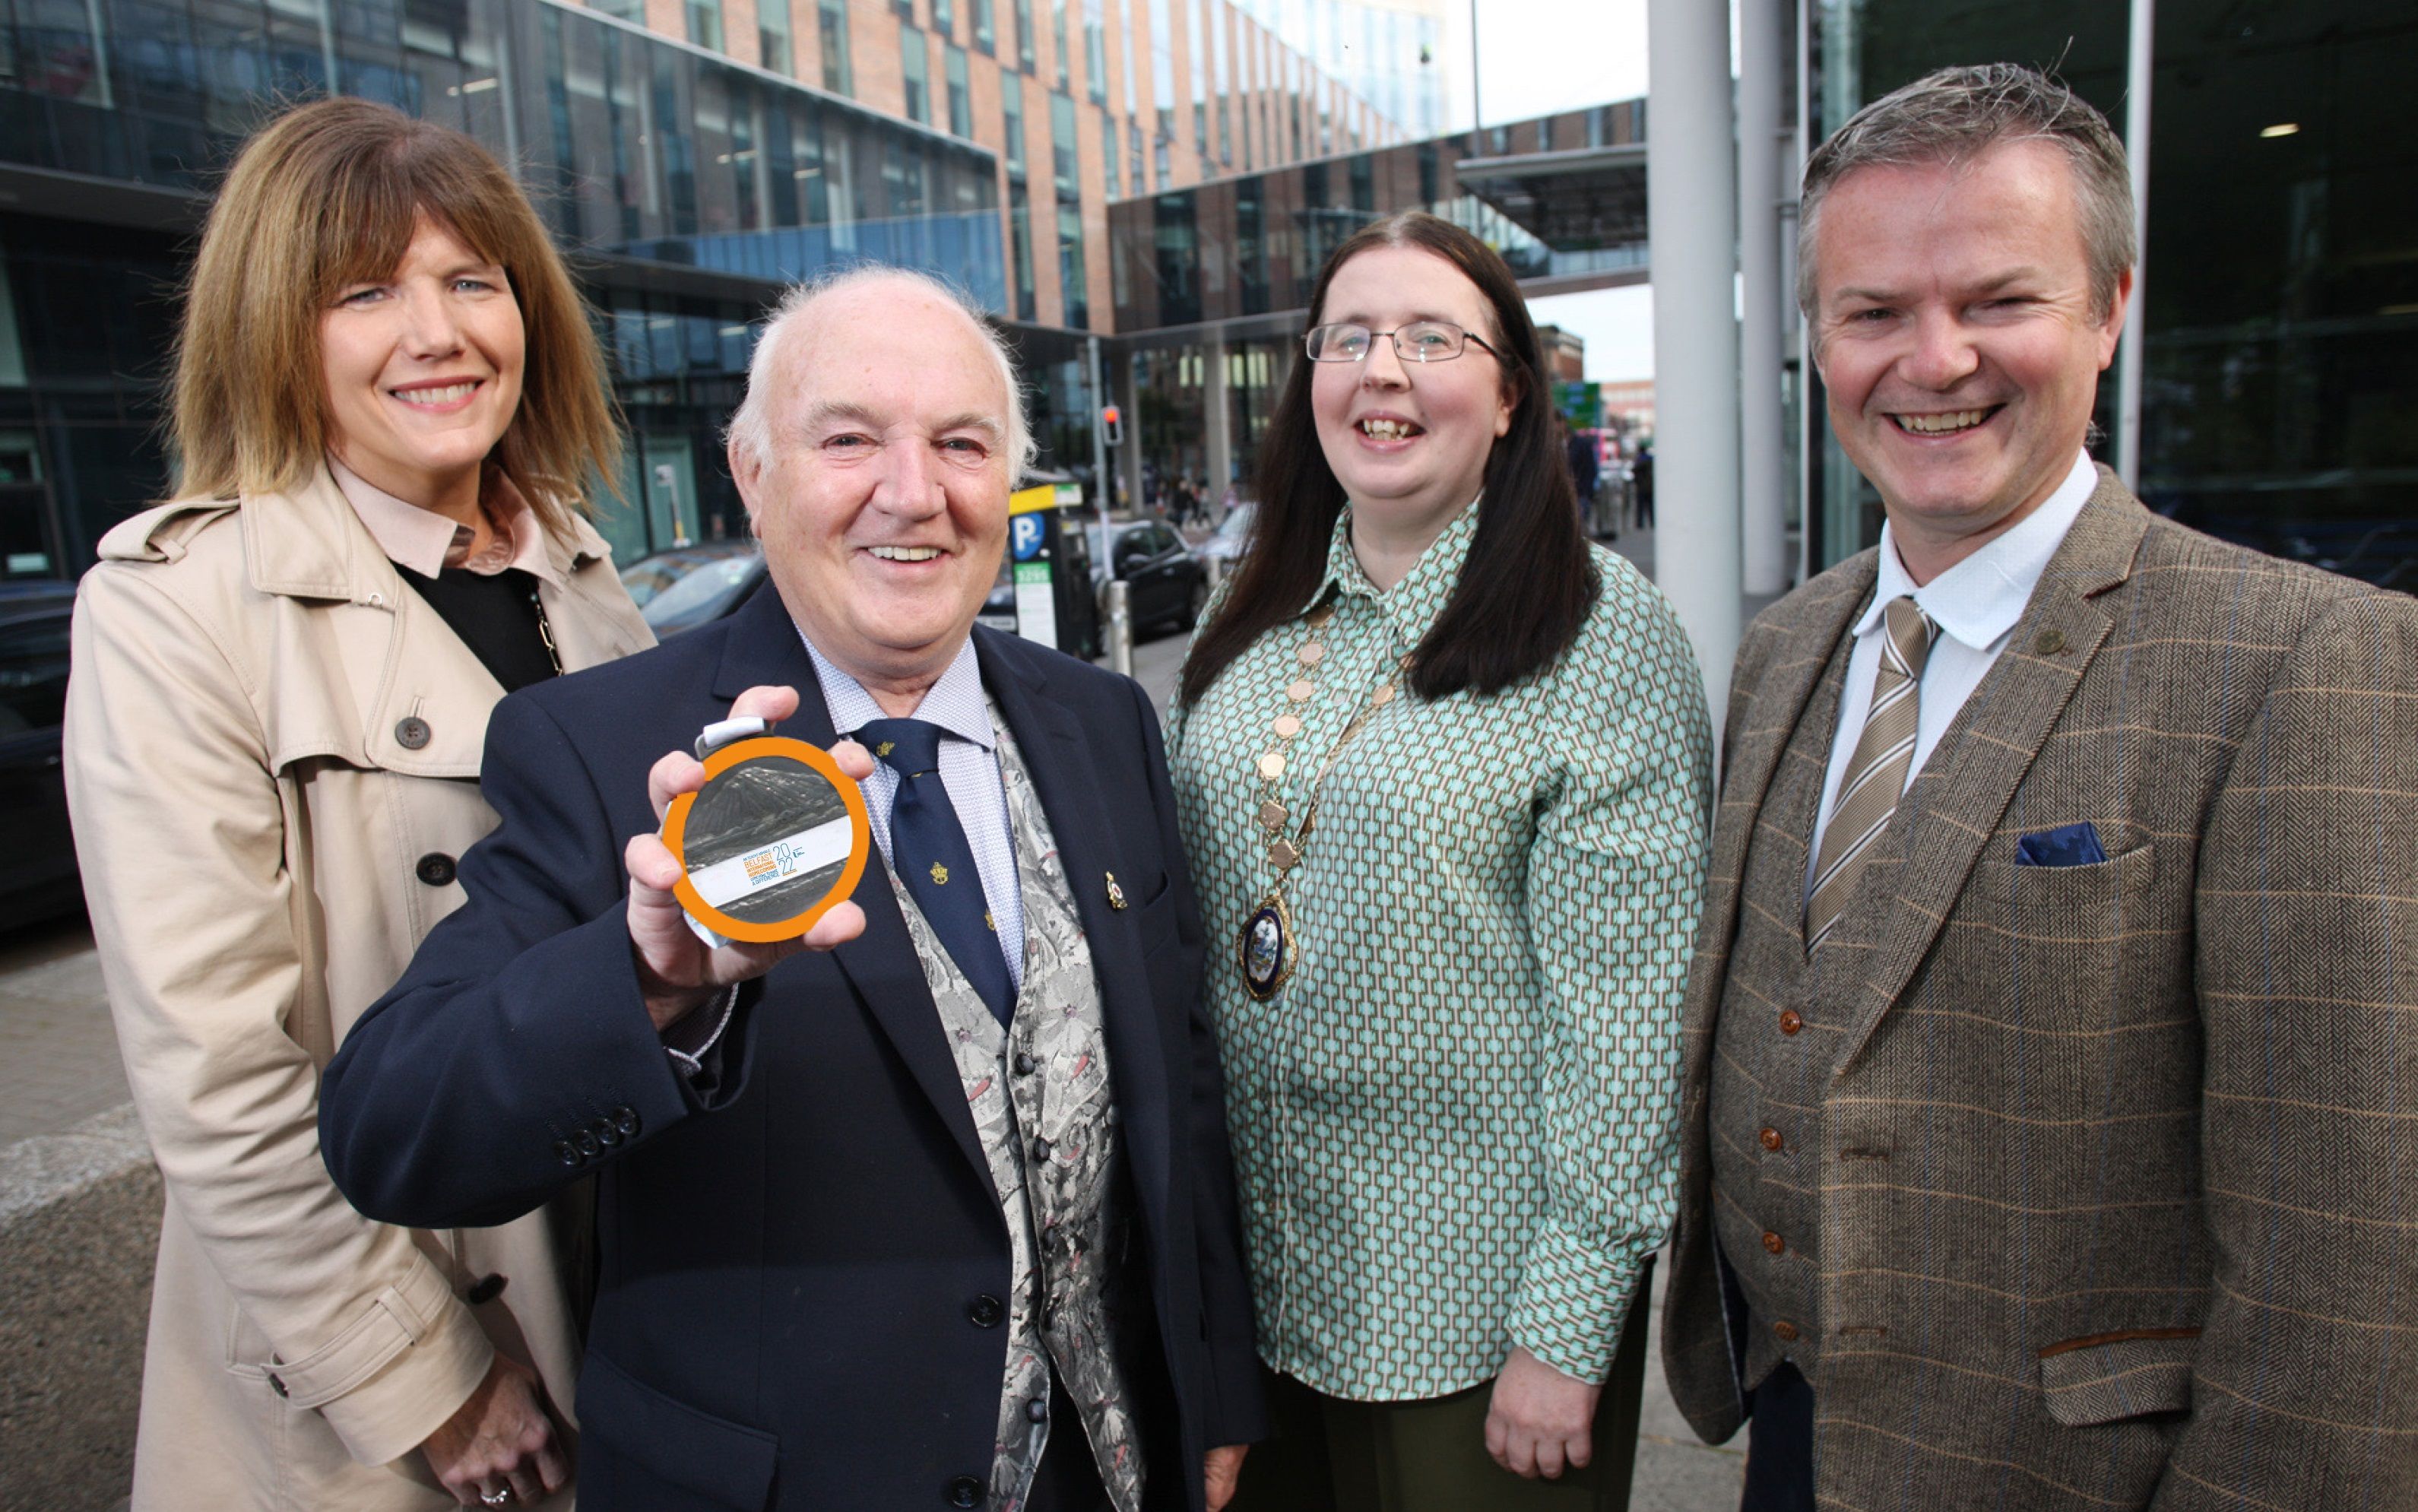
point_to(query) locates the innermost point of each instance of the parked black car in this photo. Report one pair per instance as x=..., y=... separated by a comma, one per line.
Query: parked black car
x=1166, y=584
x=37, y=866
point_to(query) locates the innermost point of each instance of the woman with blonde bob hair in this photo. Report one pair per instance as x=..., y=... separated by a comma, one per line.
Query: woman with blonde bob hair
x=387, y=405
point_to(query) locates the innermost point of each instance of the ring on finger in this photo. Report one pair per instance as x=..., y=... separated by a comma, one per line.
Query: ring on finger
x=501, y=1496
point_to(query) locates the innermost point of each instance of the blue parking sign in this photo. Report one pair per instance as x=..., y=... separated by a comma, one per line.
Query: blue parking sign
x=1024, y=536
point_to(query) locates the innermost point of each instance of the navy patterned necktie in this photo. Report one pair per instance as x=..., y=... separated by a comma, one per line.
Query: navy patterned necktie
x=928, y=846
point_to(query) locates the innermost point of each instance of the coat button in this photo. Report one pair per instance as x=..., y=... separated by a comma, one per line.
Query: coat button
x=984, y=1311
x=1024, y=1064
x=964, y=1492
x=626, y=1121
x=1784, y=1331
x=1036, y=1410
x=606, y=1135
x=436, y=868
x=411, y=732
x=486, y=1289
x=2050, y=643
x=588, y=1142
x=1773, y=1243
x=1772, y=1140
x=1040, y=1149
x=1789, y=1022
x=564, y=1152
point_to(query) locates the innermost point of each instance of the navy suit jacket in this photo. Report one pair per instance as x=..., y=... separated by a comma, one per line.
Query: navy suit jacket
x=801, y=1256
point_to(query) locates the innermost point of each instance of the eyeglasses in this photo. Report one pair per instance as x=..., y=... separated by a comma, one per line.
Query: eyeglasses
x=1421, y=340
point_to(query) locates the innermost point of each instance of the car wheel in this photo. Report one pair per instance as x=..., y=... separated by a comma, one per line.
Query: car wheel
x=1194, y=601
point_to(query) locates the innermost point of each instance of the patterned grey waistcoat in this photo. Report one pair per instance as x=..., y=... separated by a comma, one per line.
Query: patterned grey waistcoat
x=1049, y=1131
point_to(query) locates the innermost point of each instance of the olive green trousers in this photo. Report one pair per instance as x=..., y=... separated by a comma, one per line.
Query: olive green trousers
x=1327, y=1455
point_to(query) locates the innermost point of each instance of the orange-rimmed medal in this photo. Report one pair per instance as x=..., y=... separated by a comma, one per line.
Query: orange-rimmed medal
x=775, y=837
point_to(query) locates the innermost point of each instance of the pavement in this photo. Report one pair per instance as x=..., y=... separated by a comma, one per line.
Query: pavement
x=60, y=1072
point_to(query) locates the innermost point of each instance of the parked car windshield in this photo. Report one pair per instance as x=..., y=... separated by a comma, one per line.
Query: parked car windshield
x=679, y=589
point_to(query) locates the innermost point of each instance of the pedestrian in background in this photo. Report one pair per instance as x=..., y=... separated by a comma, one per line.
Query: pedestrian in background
x=388, y=400
x=1444, y=772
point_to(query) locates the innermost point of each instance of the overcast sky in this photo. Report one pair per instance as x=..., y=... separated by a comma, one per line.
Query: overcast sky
x=1536, y=57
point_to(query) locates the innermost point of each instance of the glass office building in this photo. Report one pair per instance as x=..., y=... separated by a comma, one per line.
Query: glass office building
x=2279, y=398
x=687, y=186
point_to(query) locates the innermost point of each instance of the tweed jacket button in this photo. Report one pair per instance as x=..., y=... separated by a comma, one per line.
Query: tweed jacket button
x=436, y=868
x=964, y=1492
x=1790, y=1022
x=411, y=732
x=984, y=1311
x=1784, y=1331
x=1773, y=1243
x=1772, y=1140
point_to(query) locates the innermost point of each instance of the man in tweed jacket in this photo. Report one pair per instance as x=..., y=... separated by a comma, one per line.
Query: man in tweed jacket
x=2071, y=1167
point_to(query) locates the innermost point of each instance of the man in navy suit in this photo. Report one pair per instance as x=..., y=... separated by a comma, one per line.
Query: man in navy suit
x=932, y=1206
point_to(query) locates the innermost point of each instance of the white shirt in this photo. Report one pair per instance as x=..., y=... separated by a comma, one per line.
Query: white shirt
x=1975, y=603
x=968, y=770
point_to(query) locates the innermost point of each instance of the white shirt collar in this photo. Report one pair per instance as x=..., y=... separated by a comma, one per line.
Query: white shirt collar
x=1979, y=599
x=423, y=540
x=954, y=703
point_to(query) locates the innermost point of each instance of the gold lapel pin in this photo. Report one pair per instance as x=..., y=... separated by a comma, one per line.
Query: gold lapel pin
x=1116, y=893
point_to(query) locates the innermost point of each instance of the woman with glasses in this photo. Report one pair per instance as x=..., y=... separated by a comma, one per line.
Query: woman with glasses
x=389, y=406
x=1443, y=770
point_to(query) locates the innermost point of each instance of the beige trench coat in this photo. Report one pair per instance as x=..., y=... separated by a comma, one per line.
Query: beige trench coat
x=272, y=754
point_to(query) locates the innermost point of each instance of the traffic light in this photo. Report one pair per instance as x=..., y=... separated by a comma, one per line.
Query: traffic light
x=1112, y=426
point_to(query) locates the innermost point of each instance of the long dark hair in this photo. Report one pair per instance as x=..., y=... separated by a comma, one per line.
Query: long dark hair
x=1527, y=583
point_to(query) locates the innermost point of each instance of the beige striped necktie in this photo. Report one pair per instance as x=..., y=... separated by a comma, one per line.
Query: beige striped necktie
x=1877, y=769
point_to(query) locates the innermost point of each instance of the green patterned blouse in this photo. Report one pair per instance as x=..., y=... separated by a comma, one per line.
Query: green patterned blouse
x=1455, y=1125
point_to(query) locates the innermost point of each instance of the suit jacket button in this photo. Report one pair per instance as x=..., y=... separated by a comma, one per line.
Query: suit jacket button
x=1790, y=1022
x=606, y=1134
x=964, y=1492
x=1036, y=1410
x=1784, y=1331
x=565, y=1152
x=626, y=1121
x=1772, y=1140
x=589, y=1144
x=436, y=868
x=411, y=732
x=1040, y=1149
x=1024, y=1064
x=1773, y=1243
x=486, y=1289
x=984, y=1311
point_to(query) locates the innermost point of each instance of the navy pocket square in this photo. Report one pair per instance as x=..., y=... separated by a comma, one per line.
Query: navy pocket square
x=2068, y=845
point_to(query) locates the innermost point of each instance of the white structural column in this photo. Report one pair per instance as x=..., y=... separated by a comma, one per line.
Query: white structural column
x=2140, y=59
x=1691, y=224
x=1764, y=562
x=1217, y=428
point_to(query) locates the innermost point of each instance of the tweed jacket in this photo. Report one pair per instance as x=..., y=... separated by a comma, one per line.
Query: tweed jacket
x=2113, y=1190
x=272, y=761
